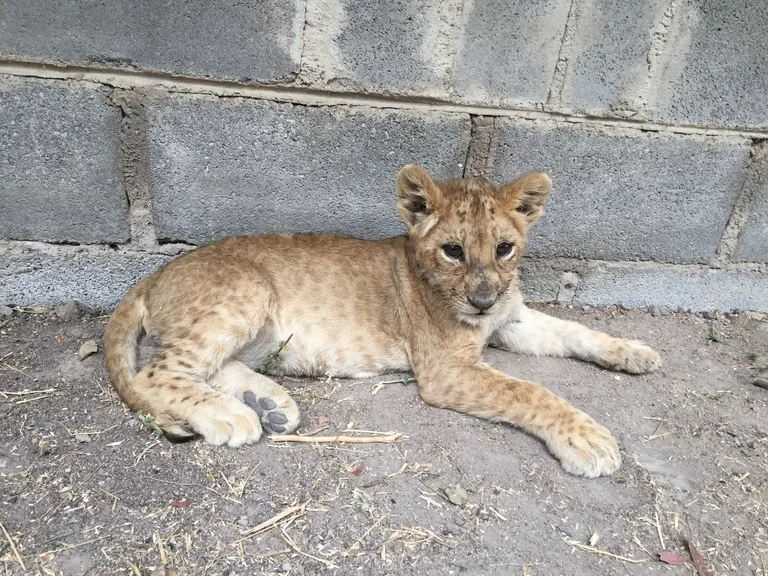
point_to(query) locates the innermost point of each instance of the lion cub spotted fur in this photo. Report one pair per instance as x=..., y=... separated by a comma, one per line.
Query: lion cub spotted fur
x=428, y=301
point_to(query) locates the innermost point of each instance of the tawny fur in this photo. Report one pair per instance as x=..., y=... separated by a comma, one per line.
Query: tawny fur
x=356, y=308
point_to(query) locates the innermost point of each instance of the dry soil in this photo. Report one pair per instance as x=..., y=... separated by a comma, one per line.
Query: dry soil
x=87, y=488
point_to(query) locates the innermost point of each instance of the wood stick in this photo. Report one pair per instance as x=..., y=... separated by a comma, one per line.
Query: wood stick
x=588, y=548
x=326, y=439
x=269, y=523
x=13, y=548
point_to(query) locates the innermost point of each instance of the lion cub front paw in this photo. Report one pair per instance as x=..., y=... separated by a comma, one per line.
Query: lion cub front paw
x=587, y=450
x=225, y=420
x=630, y=356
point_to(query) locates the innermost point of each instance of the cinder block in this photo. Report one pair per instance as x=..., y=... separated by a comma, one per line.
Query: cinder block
x=753, y=244
x=608, y=56
x=508, y=49
x=625, y=194
x=389, y=45
x=716, y=58
x=690, y=287
x=48, y=275
x=249, y=40
x=226, y=167
x=60, y=164
x=540, y=279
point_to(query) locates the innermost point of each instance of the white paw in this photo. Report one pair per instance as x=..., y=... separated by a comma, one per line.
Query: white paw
x=225, y=420
x=631, y=356
x=589, y=450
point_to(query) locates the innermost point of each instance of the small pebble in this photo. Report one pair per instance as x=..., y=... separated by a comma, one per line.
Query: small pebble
x=286, y=567
x=751, y=315
x=89, y=347
x=761, y=382
x=69, y=311
x=654, y=310
x=665, y=310
x=625, y=306
x=6, y=311
x=82, y=438
x=710, y=315
x=456, y=494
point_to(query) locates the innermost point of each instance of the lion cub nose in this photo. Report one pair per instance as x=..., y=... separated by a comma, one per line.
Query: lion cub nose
x=482, y=301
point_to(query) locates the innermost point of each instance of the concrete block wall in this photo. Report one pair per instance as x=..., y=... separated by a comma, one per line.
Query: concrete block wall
x=131, y=133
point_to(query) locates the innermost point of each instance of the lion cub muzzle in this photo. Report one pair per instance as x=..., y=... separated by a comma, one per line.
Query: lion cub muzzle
x=483, y=298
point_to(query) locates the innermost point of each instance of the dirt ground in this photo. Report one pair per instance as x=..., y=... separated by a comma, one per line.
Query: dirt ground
x=86, y=488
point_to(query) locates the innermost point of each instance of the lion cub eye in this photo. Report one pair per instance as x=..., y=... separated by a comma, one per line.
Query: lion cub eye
x=453, y=251
x=504, y=249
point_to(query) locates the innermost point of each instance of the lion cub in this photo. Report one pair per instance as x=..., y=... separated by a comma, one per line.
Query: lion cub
x=428, y=301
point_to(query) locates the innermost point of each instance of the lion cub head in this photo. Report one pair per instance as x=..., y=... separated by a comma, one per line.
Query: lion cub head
x=466, y=237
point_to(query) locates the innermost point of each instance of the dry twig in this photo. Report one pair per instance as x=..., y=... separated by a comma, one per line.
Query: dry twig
x=327, y=439
x=13, y=547
x=588, y=548
x=267, y=524
x=658, y=529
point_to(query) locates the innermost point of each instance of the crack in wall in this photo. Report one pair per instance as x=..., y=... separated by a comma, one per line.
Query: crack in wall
x=554, y=97
x=443, y=50
x=757, y=172
x=482, y=148
x=134, y=150
x=657, y=58
x=321, y=60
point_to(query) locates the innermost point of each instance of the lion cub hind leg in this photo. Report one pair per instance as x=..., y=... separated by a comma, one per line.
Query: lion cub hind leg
x=182, y=401
x=277, y=411
x=224, y=420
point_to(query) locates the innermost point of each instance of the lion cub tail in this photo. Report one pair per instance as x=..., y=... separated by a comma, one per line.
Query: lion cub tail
x=121, y=341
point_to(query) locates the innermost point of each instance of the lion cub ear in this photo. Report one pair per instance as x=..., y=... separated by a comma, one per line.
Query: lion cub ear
x=527, y=195
x=418, y=197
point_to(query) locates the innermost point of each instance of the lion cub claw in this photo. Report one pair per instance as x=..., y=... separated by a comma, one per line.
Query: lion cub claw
x=589, y=451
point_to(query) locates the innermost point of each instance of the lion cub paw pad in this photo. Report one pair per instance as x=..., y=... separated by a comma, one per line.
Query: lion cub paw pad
x=271, y=419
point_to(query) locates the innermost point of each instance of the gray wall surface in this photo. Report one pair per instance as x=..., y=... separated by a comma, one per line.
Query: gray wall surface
x=130, y=133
